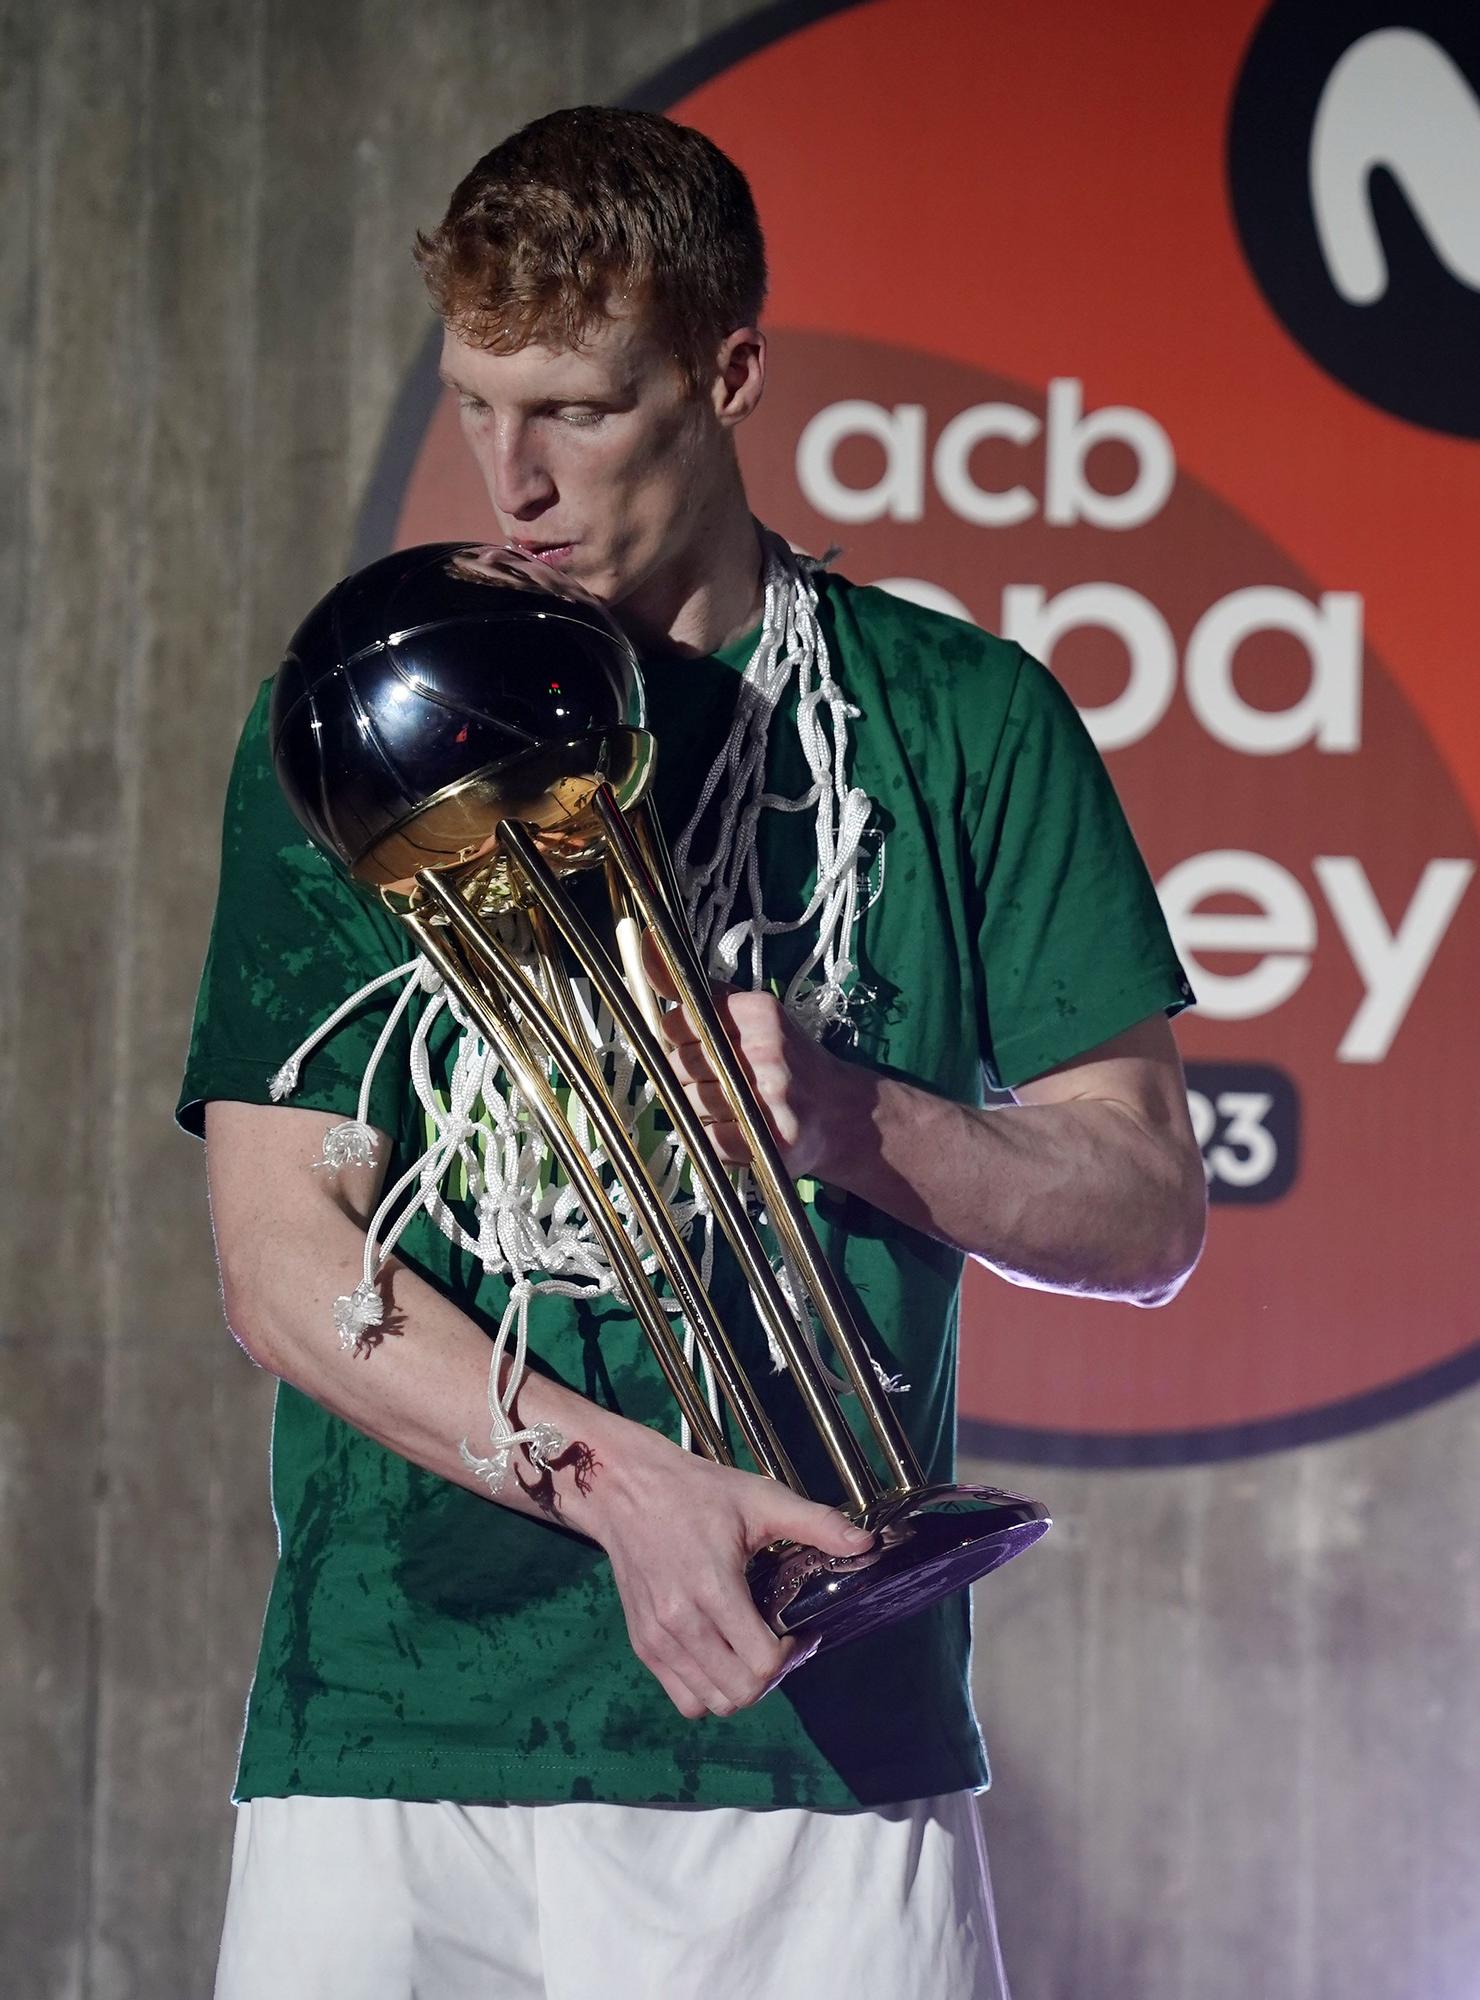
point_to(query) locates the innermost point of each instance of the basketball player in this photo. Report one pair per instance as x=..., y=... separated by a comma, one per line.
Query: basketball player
x=526, y=1734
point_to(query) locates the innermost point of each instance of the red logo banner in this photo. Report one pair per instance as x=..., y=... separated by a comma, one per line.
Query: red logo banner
x=1062, y=345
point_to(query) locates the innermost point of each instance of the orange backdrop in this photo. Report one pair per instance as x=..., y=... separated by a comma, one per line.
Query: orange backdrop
x=965, y=204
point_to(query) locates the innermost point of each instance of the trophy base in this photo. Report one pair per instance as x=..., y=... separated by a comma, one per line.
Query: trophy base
x=929, y=1543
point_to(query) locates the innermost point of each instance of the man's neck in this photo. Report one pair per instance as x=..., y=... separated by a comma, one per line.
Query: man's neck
x=713, y=594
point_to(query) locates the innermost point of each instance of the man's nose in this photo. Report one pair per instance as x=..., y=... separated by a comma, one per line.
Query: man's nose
x=519, y=481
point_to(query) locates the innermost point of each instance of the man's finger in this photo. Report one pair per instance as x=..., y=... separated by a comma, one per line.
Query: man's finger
x=680, y=1694
x=656, y=968
x=687, y=1060
x=798, y=1653
x=710, y=1102
x=787, y=1516
x=763, y=1655
x=732, y=1655
x=662, y=982
x=661, y=979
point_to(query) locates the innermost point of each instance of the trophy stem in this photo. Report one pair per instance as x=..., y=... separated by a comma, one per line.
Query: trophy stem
x=572, y=1058
x=859, y=1480
x=490, y=1011
x=782, y=1202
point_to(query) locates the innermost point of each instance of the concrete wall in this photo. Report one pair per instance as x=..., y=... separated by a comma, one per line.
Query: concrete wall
x=1230, y=1710
x=208, y=307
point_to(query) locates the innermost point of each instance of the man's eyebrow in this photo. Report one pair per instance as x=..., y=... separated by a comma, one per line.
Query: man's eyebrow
x=622, y=390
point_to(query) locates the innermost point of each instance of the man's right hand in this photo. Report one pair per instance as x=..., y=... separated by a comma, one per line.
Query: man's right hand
x=680, y=1531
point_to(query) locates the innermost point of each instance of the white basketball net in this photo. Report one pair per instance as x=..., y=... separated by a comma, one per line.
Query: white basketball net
x=517, y=1221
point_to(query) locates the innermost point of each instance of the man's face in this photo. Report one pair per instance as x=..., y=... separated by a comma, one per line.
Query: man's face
x=599, y=459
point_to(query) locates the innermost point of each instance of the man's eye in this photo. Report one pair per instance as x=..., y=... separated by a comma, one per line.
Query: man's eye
x=581, y=414
x=474, y=405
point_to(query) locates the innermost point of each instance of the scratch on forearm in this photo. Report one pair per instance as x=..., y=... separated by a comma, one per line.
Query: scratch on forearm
x=579, y=1460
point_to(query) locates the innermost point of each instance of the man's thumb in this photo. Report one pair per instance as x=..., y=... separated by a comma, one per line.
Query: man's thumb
x=824, y=1528
x=656, y=968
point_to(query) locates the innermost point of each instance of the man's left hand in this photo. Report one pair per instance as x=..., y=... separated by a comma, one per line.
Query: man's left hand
x=806, y=1093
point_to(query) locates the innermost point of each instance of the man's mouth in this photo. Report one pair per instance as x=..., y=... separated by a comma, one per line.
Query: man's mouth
x=547, y=552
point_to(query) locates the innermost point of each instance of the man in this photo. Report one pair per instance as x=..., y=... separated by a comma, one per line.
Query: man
x=466, y=1714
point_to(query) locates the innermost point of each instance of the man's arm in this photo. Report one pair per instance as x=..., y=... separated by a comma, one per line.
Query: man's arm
x=290, y=1239
x=1092, y=1182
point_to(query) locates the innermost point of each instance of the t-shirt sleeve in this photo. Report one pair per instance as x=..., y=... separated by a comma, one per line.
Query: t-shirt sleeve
x=1073, y=947
x=292, y=939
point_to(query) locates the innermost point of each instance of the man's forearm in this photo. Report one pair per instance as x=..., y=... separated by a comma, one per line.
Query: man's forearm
x=1094, y=1185
x=1071, y=1196
x=423, y=1388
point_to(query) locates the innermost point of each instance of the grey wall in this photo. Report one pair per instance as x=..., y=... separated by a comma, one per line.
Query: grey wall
x=208, y=307
x=1230, y=1710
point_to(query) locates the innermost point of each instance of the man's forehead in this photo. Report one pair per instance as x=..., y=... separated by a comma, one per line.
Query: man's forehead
x=615, y=351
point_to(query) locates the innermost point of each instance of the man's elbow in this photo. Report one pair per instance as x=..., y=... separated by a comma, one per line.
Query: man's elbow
x=1179, y=1243
x=249, y=1320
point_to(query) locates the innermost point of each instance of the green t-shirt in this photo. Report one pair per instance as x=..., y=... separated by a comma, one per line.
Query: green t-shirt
x=423, y=1642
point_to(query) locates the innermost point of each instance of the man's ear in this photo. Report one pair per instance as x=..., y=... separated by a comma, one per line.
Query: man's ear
x=739, y=375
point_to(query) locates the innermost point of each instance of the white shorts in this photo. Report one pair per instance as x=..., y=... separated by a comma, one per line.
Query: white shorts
x=377, y=1899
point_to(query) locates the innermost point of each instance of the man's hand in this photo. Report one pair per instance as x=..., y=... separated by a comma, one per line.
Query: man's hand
x=679, y=1532
x=810, y=1098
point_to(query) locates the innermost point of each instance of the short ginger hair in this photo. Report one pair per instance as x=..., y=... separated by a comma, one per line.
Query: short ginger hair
x=592, y=209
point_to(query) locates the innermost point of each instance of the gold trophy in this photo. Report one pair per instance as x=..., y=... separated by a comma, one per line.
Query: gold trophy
x=461, y=729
